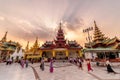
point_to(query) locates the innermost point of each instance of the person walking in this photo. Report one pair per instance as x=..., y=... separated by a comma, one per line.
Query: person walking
x=7, y=61
x=22, y=63
x=32, y=61
x=51, y=66
x=26, y=63
x=80, y=63
x=89, y=65
x=42, y=65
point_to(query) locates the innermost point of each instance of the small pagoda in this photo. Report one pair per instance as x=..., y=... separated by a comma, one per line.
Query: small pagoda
x=33, y=52
x=104, y=47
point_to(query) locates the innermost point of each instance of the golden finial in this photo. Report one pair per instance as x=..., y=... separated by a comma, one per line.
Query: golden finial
x=27, y=47
x=60, y=25
x=95, y=23
x=4, y=39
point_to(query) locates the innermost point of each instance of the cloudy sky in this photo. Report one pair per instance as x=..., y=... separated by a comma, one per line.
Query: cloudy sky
x=27, y=19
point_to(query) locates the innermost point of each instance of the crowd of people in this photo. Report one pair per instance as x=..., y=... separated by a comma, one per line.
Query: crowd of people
x=80, y=62
x=42, y=66
x=77, y=61
x=22, y=62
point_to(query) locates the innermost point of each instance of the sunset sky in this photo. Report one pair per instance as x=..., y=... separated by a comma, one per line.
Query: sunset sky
x=27, y=19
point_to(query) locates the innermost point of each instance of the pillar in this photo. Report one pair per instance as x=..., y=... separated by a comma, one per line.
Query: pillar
x=67, y=54
x=80, y=53
x=53, y=53
x=40, y=53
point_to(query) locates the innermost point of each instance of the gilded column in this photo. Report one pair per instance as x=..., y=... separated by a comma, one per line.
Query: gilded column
x=80, y=53
x=53, y=53
x=40, y=53
x=67, y=54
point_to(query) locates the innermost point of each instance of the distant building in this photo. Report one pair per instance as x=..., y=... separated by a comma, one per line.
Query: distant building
x=60, y=48
x=101, y=46
x=33, y=52
x=7, y=47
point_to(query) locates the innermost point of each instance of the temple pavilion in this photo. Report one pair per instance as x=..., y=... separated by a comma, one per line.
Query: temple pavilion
x=7, y=47
x=59, y=48
x=33, y=52
x=102, y=47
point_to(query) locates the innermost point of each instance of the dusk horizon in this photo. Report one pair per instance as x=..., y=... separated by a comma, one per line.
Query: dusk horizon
x=26, y=20
x=60, y=39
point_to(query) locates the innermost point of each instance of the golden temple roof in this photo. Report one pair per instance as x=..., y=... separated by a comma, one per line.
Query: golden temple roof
x=113, y=40
x=98, y=35
x=103, y=42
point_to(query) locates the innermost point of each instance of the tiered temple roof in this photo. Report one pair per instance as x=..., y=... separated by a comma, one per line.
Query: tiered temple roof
x=114, y=43
x=100, y=41
x=73, y=44
x=8, y=45
x=98, y=37
x=48, y=45
x=60, y=42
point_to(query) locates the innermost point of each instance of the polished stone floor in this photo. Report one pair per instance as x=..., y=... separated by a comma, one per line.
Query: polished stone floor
x=67, y=71
x=15, y=72
x=62, y=71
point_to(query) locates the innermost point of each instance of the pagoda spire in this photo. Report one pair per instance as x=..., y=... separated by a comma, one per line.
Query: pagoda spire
x=36, y=45
x=98, y=35
x=60, y=39
x=27, y=47
x=95, y=23
x=4, y=39
x=60, y=25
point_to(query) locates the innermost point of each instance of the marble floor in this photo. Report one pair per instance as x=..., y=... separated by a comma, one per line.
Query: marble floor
x=15, y=72
x=67, y=71
x=62, y=71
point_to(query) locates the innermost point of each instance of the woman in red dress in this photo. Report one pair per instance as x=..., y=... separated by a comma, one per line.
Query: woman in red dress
x=89, y=65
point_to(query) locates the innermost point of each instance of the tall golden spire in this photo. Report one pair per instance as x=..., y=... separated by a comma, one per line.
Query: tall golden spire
x=27, y=47
x=98, y=35
x=4, y=39
x=36, y=45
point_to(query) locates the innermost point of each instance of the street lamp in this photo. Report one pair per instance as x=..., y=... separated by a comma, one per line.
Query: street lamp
x=87, y=30
x=89, y=38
